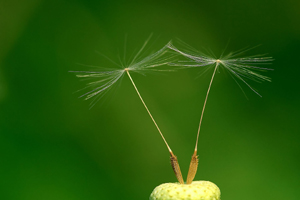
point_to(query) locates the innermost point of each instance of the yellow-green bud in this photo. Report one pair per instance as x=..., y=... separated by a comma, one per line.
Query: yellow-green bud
x=197, y=190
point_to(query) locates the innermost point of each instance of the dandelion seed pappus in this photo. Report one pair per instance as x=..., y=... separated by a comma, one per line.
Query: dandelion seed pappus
x=106, y=78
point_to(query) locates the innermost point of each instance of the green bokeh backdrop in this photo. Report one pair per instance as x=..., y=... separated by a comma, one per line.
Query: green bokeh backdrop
x=53, y=147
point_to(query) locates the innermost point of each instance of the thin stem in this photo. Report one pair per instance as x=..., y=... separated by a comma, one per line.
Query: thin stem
x=173, y=158
x=194, y=162
x=127, y=70
x=212, y=78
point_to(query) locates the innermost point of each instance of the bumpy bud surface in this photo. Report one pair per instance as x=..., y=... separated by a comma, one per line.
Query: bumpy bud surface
x=197, y=190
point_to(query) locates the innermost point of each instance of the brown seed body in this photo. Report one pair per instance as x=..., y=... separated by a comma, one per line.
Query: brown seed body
x=193, y=168
x=176, y=168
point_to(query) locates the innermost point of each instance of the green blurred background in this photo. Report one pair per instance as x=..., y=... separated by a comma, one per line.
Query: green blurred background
x=53, y=147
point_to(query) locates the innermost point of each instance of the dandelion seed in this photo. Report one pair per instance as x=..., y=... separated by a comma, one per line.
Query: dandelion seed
x=239, y=68
x=104, y=80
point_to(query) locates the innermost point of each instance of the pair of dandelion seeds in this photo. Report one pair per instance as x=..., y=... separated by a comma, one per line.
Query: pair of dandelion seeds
x=240, y=69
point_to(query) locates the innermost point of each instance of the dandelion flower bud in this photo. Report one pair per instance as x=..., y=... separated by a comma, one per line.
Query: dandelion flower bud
x=197, y=190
